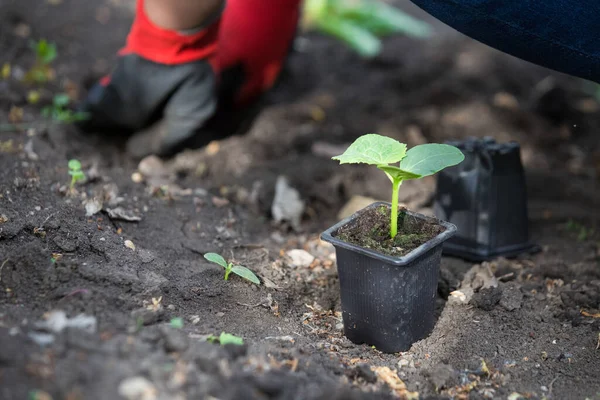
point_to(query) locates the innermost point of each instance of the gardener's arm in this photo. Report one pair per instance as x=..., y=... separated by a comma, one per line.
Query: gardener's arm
x=182, y=14
x=563, y=35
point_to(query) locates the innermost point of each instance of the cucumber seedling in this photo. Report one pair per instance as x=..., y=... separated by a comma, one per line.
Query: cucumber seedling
x=59, y=112
x=76, y=173
x=229, y=268
x=225, y=339
x=418, y=162
x=45, y=54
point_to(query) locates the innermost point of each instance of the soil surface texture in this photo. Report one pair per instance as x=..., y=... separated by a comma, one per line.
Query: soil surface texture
x=104, y=291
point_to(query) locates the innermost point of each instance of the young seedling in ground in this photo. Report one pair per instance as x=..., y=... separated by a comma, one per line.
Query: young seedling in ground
x=59, y=112
x=229, y=268
x=76, y=173
x=418, y=162
x=226, y=338
x=177, y=323
x=45, y=54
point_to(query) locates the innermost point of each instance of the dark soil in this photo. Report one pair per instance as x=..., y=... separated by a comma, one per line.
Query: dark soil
x=95, y=323
x=371, y=230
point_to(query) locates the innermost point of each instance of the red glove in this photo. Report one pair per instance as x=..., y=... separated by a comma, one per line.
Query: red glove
x=255, y=37
x=171, y=77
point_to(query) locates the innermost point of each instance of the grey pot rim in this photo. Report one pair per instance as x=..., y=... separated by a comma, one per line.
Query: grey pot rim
x=450, y=230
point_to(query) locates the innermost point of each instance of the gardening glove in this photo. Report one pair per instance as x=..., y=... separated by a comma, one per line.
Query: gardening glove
x=161, y=76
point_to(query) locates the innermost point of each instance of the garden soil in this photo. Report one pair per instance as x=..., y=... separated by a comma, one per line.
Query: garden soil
x=120, y=303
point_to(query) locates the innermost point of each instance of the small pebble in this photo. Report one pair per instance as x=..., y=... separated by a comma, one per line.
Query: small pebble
x=171, y=306
x=220, y=314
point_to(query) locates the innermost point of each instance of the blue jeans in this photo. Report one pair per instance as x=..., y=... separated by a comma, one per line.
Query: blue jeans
x=563, y=35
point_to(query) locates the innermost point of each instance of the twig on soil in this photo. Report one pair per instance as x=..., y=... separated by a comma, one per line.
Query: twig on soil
x=550, y=386
x=506, y=276
x=249, y=305
x=2, y=266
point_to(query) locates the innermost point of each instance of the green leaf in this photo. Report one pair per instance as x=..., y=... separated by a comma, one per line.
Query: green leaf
x=245, y=273
x=74, y=165
x=373, y=149
x=228, y=338
x=397, y=173
x=61, y=100
x=216, y=258
x=177, y=323
x=361, y=40
x=427, y=159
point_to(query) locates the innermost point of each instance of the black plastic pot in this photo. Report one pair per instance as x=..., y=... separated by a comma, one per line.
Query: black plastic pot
x=485, y=196
x=388, y=302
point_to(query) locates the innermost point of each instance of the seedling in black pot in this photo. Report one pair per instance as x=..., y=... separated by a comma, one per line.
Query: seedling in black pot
x=388, y=258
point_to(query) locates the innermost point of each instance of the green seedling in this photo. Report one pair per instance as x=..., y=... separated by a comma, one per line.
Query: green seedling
x=76, y=173
x=583, y=233
x=360, y=23
x=226, y=338
x=177, y=323
x=418, y=162
x=229, y=268
x=45, y=54
x=59, y=112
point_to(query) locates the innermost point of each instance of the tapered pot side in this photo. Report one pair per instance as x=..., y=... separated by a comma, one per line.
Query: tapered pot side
x=388, y=302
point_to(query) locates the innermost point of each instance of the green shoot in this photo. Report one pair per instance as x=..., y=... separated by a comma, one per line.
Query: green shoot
x=360, y=23
x=229, y=268
x=76, y=173
x=418, y=162
x=225, y=339
x=176, y=323
x=45, y=54
x=59, y=112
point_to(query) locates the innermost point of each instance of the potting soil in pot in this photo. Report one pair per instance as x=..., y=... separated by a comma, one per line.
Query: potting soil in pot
x=371, y=230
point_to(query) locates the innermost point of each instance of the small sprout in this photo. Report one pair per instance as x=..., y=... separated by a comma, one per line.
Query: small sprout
x=45, y=54
x=75, y=172
x=5, y=72
x=225, y=339
x=59, y=112
x=418, y=162
x=177, y=323
x=239, y=270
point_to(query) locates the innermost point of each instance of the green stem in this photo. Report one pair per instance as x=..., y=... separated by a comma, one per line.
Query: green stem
x=227, y=272
x=394, y=215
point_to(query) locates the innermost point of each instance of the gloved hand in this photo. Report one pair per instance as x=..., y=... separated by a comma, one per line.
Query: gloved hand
x=168, y=85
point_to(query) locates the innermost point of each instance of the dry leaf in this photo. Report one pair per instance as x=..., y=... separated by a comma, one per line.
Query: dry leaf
x=589, y=314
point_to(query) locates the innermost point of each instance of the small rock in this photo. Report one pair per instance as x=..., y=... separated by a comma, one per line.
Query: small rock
x=299, y=258
x=123, y=214
x=220, y=314
x=153, y=167
x=92, y=206
x=287, y=203
x=137, y=388
x=512, y=297
x=137, y=177
x=57, y=321
x=195, y=319
x=171, y=307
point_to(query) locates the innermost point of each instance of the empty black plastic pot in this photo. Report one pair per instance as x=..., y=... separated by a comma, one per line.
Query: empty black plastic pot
x=485, y=196
x=388, y=302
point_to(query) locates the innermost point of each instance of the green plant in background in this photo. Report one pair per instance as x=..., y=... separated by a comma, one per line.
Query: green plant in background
x=45, y=54
x=360, y=23
x=418, y=162
x=583, y=233
x=76, y=173
x=59, y=112
x=226, y=338
x=229, y=268
x=176, y=323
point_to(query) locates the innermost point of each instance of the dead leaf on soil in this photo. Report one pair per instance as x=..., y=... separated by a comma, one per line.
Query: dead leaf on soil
x=590, y=314
x=391, y=378
x=123, y=214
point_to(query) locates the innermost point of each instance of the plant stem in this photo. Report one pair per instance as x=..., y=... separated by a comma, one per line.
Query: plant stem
x=227, y=272
x=394, y=214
